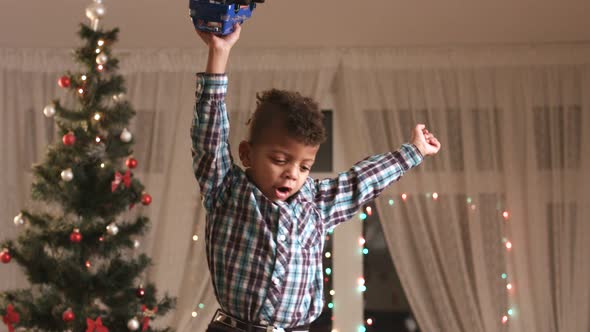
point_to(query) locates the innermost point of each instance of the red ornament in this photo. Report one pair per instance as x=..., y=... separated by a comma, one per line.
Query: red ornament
x=140, y=292
x=131, y=162
x=11, y=317
x=146, y=199
x=76, y=236
x=5, y=256
x=64, y=82
x=69, y=139
x=147, y=315
x=68, y=316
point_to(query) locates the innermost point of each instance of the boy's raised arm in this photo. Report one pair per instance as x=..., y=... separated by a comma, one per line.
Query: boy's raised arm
x=210, y=127
x=340, y=198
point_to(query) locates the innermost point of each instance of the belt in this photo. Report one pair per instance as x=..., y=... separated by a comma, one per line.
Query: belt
x=233, y=322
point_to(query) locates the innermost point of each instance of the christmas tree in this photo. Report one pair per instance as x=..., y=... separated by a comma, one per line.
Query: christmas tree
x=75, y=247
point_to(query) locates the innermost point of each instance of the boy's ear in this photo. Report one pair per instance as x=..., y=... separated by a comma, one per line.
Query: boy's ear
x=244, y=151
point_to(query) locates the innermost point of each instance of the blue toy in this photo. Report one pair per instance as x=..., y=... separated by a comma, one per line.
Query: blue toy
x=219, y=16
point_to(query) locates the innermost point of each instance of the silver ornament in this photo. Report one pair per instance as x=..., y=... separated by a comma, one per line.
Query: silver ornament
x=49, y=110
x=19, y=220
x=67, y=175
x=126, y=136
x=101, y=59
x=112, y=229
x=133, y=324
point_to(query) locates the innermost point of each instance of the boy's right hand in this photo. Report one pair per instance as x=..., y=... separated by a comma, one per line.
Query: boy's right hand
x=219, y=48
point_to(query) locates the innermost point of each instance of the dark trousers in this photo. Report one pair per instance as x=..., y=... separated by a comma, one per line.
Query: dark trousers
x=218, y=327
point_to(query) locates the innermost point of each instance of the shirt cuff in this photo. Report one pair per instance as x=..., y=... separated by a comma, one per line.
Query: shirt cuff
x=411, y=154
x=211, y=84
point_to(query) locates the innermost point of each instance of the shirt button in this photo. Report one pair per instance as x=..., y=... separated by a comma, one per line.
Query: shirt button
x=282, y=237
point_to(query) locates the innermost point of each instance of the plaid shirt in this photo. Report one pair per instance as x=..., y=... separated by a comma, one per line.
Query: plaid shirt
x=265, y=257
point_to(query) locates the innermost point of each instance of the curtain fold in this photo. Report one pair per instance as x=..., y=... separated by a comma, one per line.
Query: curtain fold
x=511, y=119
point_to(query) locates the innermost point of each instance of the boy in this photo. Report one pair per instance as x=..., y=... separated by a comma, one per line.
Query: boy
x=265, y=225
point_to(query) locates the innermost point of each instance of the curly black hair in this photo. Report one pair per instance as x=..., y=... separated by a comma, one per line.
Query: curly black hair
x=299, y=116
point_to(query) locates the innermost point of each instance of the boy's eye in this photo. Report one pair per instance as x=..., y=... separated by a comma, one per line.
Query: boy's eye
x=305, y=168
x=279, y=161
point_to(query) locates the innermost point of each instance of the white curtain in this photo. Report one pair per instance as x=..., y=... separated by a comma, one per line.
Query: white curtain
x=512, y=121
x=513, y=124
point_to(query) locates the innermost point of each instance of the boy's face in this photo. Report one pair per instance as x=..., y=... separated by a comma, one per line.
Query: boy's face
x=277, y=164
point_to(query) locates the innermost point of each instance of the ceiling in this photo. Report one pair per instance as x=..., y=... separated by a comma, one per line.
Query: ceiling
x=308, y=23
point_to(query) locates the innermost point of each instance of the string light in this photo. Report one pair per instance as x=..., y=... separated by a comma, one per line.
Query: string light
x=328, y=254
x=369, y=321
x=508, y=245
x=509, y=286
x=404, y=196
x=100, y=67
x=362, y=241
x=506, y=215
x=97, y=116
x=102, y=165
x=195, y=238
x=504, y=319
x=365, y=251
x=362, y=216
x=83, y=78
x=97, y=51
x=100, y=42
x=332, y=292
x=391, y=202
x=195, y=314
x=369, y=210
x=361, y=281
x=435, y=196
x=328, y=271
x=81, y=91
x=97, y=139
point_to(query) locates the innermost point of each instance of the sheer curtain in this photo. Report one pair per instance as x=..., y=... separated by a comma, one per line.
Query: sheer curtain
x=512, y=173
x=512, y=122
x=161, y=85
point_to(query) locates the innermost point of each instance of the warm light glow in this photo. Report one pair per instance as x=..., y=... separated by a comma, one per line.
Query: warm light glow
x=96, y=116
x=472, y=206
x=194, y=314
x=435, y=196
x=97, y=139
x=102, y=165
x=100, y=67
x=100, y=42
x=195, y=238
x=328, y=254
x=84, y=77
x=97, y=51
x=506, y=215
x=509, y=286
x=508, y=245
x=362, y=241
x=332, y=292
x=404, y=196
x=369, y=210
x=504, y=319
x=80, y=91
x=370, y=321
x=361, y=281
x=88, y=264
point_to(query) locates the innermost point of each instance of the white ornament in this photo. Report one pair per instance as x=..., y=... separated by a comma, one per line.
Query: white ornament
x=101, y=59
x=136, y=244
x=96, y=11
x=49, y=110
x=67, y=175
x=112, y=229
x=19, y=220
x=119, y=97
x=133, y=324
x=126, y=136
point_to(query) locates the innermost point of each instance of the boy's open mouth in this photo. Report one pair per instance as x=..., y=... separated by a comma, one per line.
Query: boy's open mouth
x=282, y=192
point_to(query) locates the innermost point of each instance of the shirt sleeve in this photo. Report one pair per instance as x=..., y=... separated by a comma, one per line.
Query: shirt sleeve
x=340, y=198
x=212, y=159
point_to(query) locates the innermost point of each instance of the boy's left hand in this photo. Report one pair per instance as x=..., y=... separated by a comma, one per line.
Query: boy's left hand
x=425, y=141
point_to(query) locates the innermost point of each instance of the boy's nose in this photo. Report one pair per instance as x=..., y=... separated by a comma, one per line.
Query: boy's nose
x=291, y=173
